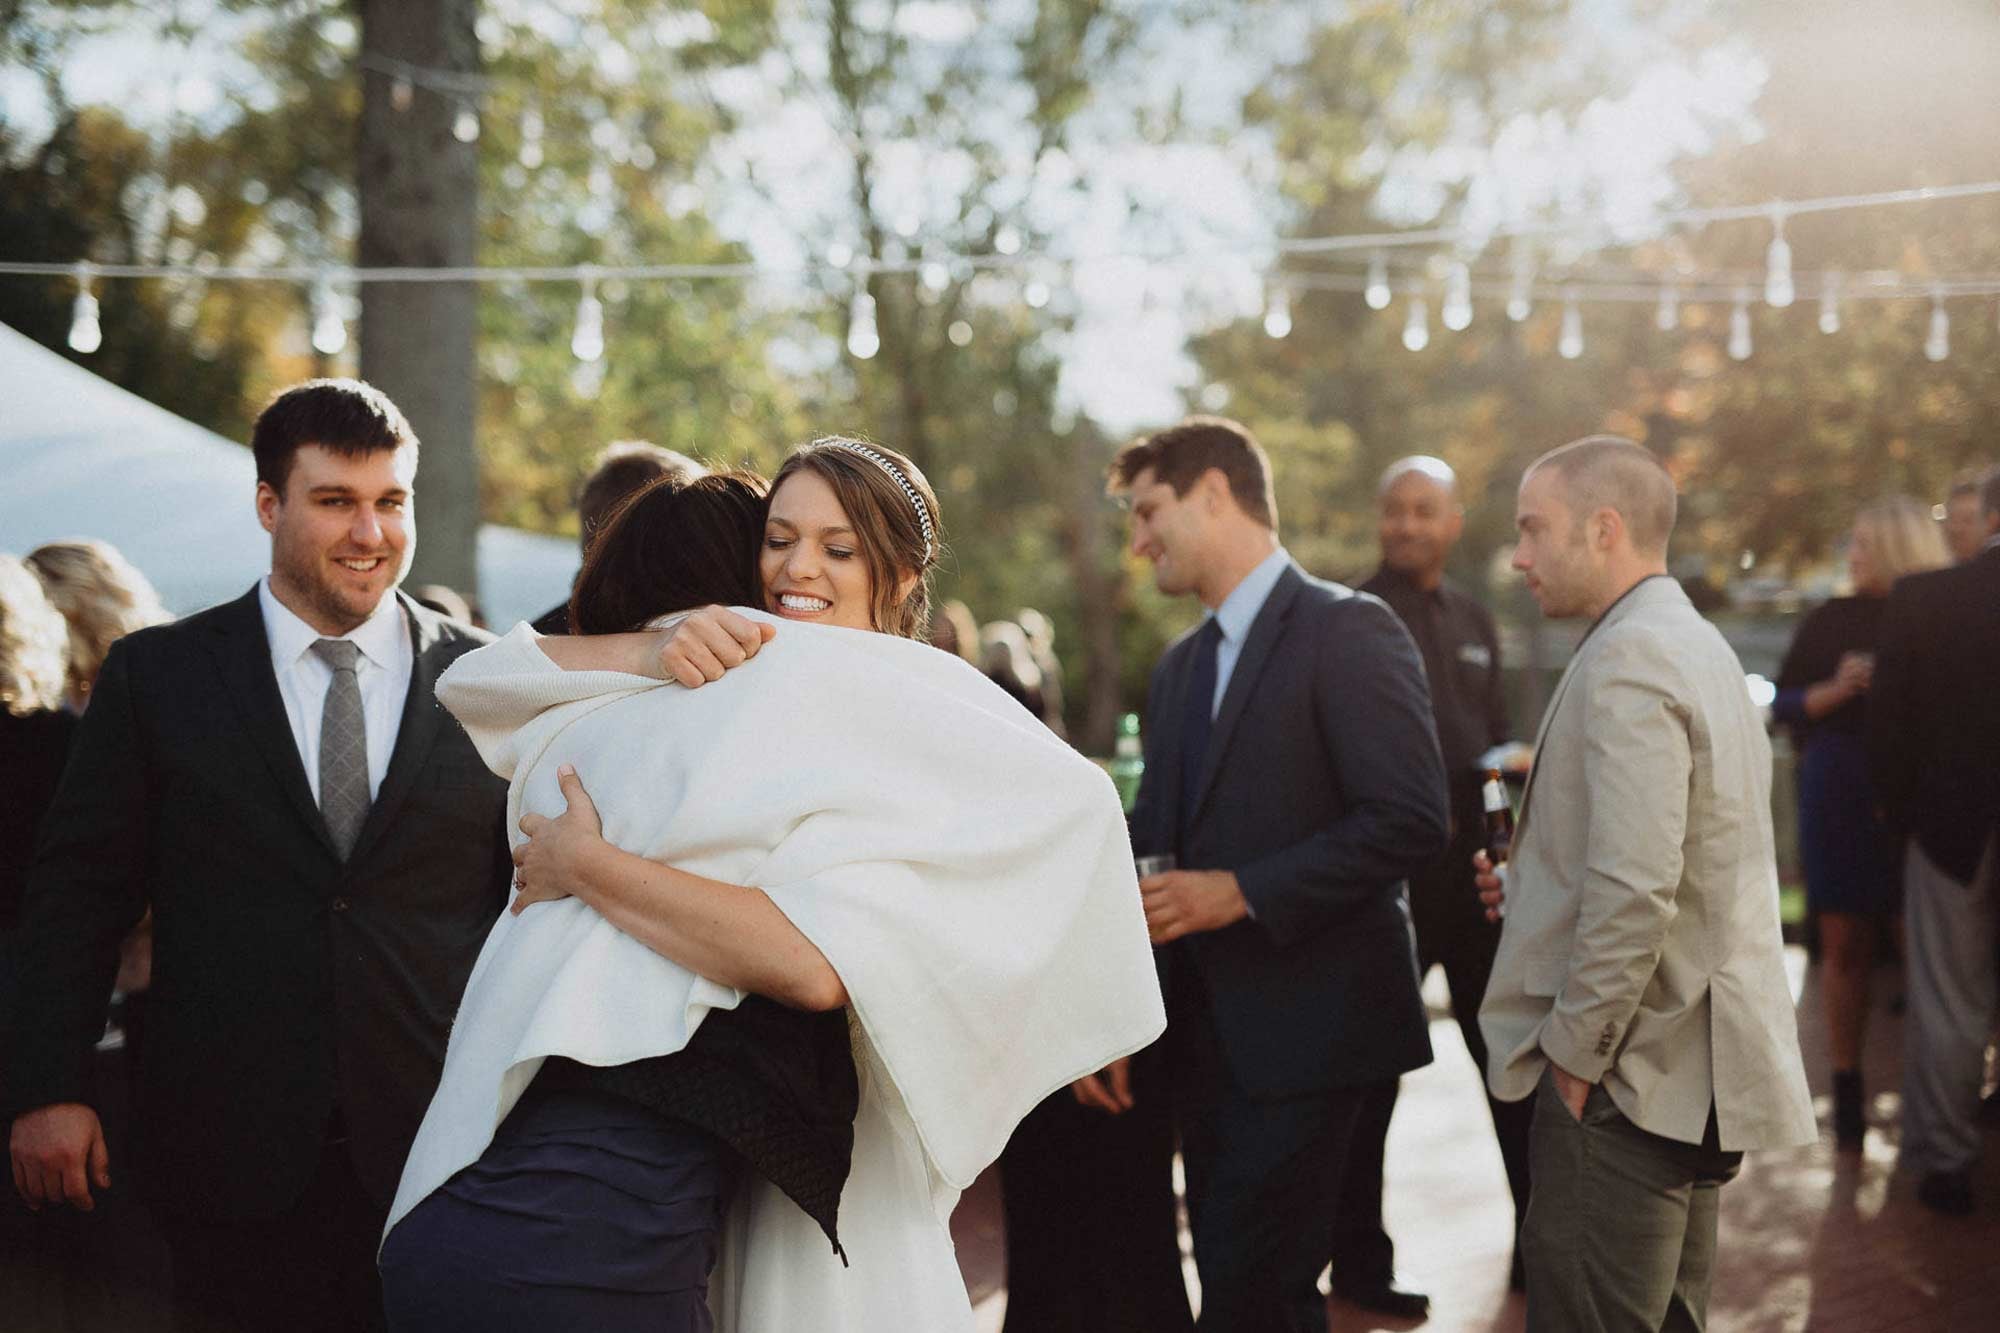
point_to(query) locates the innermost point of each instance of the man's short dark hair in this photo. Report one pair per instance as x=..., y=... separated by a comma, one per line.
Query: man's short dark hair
x=347, y=417
x=1180, y=455
x=621, y=470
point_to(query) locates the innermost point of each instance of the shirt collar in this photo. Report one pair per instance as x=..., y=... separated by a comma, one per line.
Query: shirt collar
x=1407, y=584
x=1239, y=610
x=291, y=638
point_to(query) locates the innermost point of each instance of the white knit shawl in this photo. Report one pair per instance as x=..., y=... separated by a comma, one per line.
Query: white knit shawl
x=967, y=875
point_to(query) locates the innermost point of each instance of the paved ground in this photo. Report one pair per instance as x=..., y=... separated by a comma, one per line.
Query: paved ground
x=1811, y=1240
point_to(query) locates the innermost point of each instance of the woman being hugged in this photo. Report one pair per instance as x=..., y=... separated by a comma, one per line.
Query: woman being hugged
x=806, y=832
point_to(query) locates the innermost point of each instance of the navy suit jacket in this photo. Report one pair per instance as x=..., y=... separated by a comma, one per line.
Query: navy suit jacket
x=1322, y=789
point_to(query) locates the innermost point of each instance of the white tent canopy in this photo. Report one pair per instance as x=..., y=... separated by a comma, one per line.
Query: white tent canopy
x=81, y=457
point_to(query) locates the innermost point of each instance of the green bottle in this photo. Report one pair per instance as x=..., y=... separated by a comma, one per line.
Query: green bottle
x=1128, y=761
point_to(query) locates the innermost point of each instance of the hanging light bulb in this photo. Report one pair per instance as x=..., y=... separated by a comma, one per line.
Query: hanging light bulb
x=1457, y=312
x=1519, y=298
x=1278, y=310
x=1377, y=293
x=86, y=335
x=1417, y=327
x=1667, y=316
x=1778, y=287
x=863, y=338
x=587, y=342
x=1937, y=346
x=329, y=333
x=1740, y=346
x=401, y=93
x=465, y=125
x=1035, y=293
x=1569, y=342
x=1829, y=303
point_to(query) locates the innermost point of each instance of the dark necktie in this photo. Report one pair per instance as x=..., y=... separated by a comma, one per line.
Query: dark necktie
x=1199, y=720
x=343, y=748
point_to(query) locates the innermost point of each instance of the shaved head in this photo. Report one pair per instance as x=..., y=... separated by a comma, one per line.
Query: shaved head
x=1422, y=465
x=1611, y=472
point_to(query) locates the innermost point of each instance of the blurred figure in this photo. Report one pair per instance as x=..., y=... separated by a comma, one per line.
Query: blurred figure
x=1419, y=522
x=1933, y=734
x=105, y=1271
x=1964, y=516
x=102, y=595
x=955, y=631
x=1041, y=632
x=445, y=601
x=621, y=470
x=1853, y=881
x=1007, y=661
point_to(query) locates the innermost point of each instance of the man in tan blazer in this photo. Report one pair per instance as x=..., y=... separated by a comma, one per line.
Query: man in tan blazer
x=1639, y=993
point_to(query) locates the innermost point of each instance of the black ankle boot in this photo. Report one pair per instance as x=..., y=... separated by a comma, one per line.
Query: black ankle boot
x=1850, y=1121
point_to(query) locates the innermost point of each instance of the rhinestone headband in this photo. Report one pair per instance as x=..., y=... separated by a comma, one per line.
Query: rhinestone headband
x=902, y=483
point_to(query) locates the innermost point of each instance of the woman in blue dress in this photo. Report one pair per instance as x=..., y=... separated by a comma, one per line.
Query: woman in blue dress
x=1852, y=865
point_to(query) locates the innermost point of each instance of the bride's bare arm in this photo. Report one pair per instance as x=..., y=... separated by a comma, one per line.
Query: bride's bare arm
x=699, y=649
x=730, y=933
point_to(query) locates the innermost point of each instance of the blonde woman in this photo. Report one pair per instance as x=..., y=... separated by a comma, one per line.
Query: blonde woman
x=102, y=595
x=1852, y=868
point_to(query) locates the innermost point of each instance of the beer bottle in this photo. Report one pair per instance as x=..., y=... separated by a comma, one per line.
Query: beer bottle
x=1499, y=817
x=1128, y=762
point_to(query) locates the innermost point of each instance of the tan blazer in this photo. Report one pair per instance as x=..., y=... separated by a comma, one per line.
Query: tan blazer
x=1641, y=946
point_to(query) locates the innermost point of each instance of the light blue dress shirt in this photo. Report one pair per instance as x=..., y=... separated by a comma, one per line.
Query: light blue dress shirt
x=1238, y=613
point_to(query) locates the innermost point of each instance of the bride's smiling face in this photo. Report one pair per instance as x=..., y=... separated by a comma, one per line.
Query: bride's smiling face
x=811, y=561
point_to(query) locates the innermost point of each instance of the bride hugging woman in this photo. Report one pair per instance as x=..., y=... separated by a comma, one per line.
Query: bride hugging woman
x=793, y=952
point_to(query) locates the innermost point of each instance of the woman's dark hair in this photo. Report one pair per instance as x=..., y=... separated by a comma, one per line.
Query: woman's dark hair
x=678, y=543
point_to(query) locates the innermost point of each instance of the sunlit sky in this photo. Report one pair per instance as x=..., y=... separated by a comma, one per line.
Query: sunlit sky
x=1208, y=197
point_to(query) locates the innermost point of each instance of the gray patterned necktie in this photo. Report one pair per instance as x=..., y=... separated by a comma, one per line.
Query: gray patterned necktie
x=343, y=748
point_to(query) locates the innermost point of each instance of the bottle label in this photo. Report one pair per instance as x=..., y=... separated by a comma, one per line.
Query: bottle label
x=1492, y=796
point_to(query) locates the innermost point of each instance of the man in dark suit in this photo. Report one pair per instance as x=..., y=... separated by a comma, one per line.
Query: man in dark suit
x=1293, y=772
x=1420, y=522
x=622, y=469
x=1933, y=733
x=323, y=854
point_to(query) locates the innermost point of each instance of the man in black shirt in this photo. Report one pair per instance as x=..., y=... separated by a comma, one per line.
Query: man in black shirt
x=1420, y=521
x=624, y=468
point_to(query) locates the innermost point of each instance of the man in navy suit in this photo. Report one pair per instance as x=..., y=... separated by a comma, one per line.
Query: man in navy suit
x=1292, y=770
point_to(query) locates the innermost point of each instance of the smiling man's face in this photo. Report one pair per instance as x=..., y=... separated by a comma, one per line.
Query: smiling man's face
x=342, y=534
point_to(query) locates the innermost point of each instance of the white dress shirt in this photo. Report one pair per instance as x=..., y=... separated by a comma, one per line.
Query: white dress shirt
x=382, y=671
x=1238, y=613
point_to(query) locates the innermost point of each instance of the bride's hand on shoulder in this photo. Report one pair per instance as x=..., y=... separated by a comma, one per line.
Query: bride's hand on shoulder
x=707, y=643
x=550, y=864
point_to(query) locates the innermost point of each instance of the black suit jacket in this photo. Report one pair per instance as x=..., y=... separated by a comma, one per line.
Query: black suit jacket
x=1322, y=790
x=285, y=984
x=1934, y=711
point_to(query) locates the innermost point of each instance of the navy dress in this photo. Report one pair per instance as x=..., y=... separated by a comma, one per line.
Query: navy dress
x=599, y=1204
x=1850, y=857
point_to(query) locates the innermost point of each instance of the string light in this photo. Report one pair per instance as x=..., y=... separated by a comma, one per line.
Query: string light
x=86, y=335
x=1829, y=303
x=1778, y=287
x=1520, y=303
x=1417, y=327
x=1457, y=312
x=1278, y=310
x=864, y=339
x=1377, y=293
x=1937, y=346
x=401, y=93
x=1569, y=342
x=1739, y=327
x=329, y=332
x=465, y=125
x=1667, y=315
x=1035, y=293
x=587, y=342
